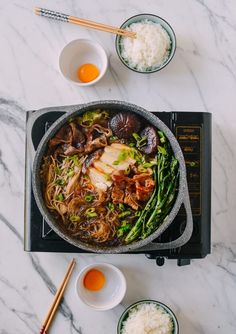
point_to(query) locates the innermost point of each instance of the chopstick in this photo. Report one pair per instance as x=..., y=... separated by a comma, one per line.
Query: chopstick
x=57, y=299
x=85, y=23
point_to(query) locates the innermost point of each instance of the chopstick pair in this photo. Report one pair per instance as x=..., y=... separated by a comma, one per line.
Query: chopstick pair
x=57, y=299
x=82, y=22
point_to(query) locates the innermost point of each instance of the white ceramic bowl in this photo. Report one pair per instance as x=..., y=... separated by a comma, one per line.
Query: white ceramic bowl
x=110, y=295
x=79, y=52
x=156, y=19
x=160, y=305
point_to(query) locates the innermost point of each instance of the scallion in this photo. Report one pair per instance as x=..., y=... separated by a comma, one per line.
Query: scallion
x=60, y=182
x=113, y=138
x=124, y=214
x=74, y=218
x=111, y=206
x=75, y=160
x=90, y=213
x=60, y=197
x=57, y=170
x=140, y=141
x=88, y=198
x=71, y=173
x=121, y=207
x=162, y=150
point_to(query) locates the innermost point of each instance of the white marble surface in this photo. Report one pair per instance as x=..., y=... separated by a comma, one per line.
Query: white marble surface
x=202, y=77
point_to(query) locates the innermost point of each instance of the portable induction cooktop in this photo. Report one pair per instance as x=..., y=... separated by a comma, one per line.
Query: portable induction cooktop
x=193, y=132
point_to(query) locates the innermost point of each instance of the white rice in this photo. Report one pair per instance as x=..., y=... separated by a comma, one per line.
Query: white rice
x=148, y=319
x=149, y=49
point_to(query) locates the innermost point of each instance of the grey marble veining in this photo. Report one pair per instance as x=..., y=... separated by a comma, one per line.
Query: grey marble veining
x=202, y=77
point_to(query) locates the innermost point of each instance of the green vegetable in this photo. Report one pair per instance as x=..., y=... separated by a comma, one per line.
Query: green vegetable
x=150, y=164
x=131, y=144
x=162, y=137
x=74, y=218
x=160, y=203
x=162, y=150
x=125, y=227
x=60, y=197
x=124, y=214
x=121, y=207
x=165, y=196
x=136, y=155
x=58, y=170
x=60, y=182
x=123, y=155
x=113, y=138
x=127, y=171
x=107, y=177
x=90, y=213
x=136, y=136
x=124, y=223
x=137, y=228
x=90, y=117
x=88, y=198
x=116, y=162
x=138, y=213
x=140, y=141
x=126, y=153
x=120, y=232
x=89, y=210
x=142, y=169
x=111, y=206
x=71, y=172
x=75, y=160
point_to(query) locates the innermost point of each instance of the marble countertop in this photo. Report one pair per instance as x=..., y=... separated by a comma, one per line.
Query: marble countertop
x=202, y=77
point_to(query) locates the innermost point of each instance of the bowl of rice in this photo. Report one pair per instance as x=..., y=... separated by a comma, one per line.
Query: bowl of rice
x=154, y=45
x=148, y=316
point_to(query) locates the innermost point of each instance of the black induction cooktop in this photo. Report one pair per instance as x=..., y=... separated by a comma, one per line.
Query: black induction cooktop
x=193, y=132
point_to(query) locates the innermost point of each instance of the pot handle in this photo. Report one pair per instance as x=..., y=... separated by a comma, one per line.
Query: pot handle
x=186, y=234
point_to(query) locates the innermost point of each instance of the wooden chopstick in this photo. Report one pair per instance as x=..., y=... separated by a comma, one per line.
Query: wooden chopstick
x=83, y=22
x=101, y=26
x=57, y=299
x=97, y=27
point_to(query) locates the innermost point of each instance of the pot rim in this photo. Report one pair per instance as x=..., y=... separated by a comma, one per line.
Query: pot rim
x=78, y=110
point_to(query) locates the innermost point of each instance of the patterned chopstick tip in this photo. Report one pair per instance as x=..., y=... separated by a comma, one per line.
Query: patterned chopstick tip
x=51, y=14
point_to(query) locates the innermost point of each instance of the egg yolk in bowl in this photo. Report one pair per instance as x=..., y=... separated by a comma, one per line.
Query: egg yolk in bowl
x=94, y=280
x=87, y=72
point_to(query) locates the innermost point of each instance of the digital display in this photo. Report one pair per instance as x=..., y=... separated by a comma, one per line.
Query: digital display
x=189, y=138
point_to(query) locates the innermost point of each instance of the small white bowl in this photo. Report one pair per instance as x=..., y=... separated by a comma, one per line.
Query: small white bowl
x=79, y=52
x=155, y=19
x=110, y=295
x=158, y=305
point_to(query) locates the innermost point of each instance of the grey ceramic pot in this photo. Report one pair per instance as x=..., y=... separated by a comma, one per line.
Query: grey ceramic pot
x=182, y=197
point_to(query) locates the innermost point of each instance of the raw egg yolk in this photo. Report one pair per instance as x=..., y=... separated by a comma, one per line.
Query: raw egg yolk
x=94, y=280
x=87, y=72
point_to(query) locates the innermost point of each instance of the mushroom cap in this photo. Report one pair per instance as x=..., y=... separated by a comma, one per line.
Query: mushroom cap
x=152, y=140
x=124, y=124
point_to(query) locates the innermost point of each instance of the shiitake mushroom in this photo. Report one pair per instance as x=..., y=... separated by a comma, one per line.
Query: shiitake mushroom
x=78, y=138
x=124, y=124
x=152, y=140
